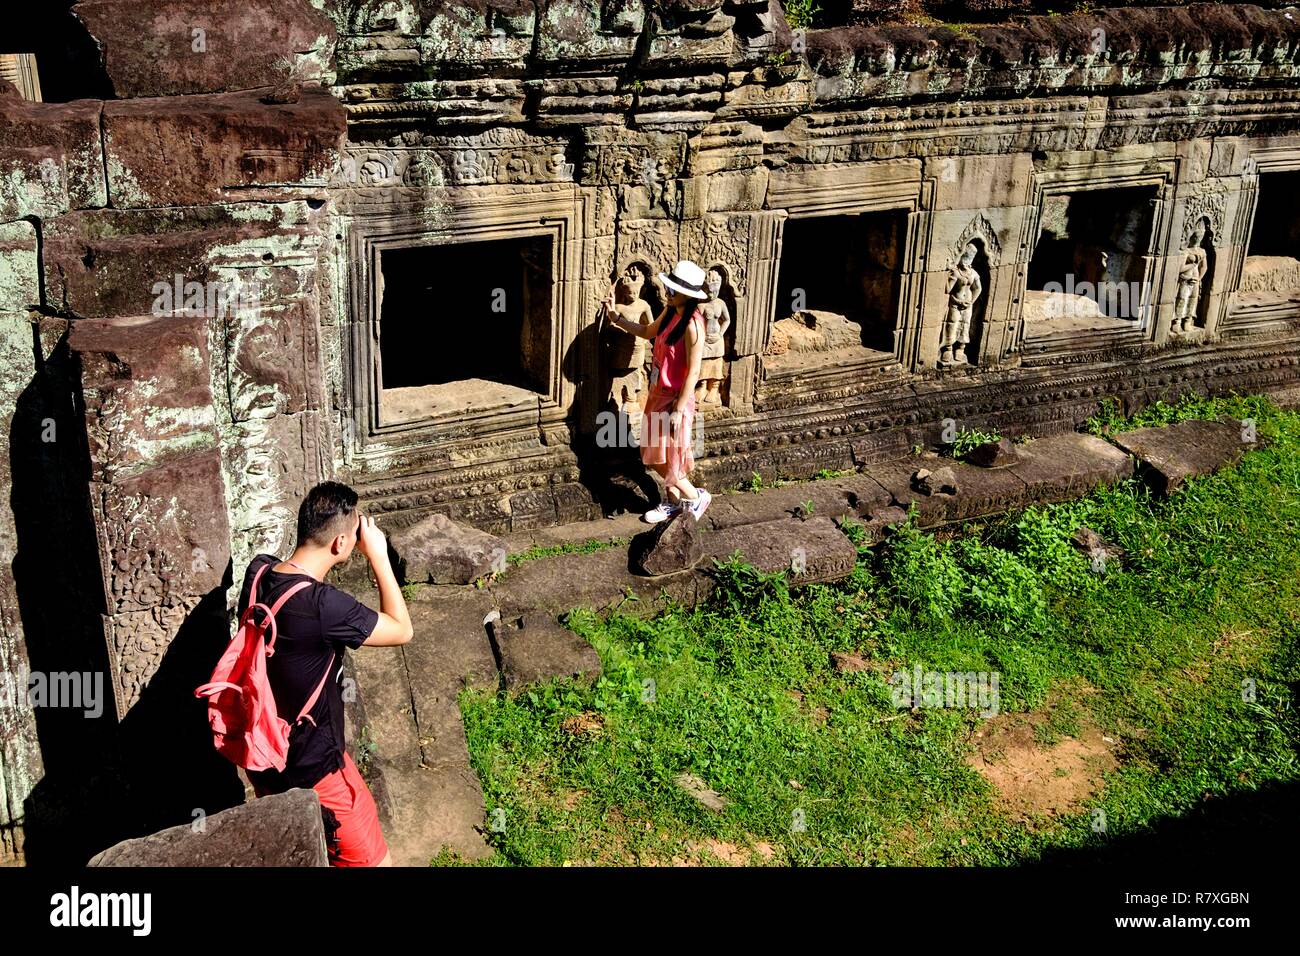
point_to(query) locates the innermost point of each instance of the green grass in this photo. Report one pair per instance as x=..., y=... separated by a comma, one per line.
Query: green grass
x=820, y=767
x=581, y=547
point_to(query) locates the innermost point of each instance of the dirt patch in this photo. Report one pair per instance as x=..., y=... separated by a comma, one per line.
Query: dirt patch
x=711, y=852
x=587, y=722
x=1036, y=780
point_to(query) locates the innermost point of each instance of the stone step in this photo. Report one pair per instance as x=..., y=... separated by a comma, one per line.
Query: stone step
x=429, y=796
x=534, y=648
x=1170, y=455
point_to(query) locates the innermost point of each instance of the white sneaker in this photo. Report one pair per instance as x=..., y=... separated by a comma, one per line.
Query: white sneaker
x=700, y=504
x=661, y=512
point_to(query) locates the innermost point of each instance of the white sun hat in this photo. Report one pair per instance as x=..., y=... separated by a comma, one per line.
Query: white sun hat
x=687, y=278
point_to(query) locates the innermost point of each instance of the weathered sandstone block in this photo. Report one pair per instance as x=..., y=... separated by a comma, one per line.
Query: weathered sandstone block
x=284, y=829
x=176, y=47
x=1174, y=453
x=192, y=150
x=437, y=550
x=50, y=157
x=113, y=262
x=673, y=545
x=534, y=647
x=148, y=392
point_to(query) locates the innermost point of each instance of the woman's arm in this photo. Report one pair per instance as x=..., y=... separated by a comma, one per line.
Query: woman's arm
x=646, y=330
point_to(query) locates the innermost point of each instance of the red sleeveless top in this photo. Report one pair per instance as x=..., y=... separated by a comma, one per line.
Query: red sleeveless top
x=673, y=361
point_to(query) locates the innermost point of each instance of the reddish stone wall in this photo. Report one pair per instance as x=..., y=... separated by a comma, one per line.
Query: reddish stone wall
x=186, y=282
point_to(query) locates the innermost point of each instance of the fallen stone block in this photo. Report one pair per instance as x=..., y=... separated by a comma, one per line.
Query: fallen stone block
x=812, y=550
x=1171, y=454
x=880, y=519
x=698, y=790
x=1066, y=466
x=437, y=550
x=984, y=491
x=533, y=647
x=896, y=477
x=1095, y=546
x=280, y=830
x=672, y=545
x=596, y=580
x=993, y=454
x=831, y=498
x=941, y=481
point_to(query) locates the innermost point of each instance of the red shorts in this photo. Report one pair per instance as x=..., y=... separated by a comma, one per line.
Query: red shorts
x=358, y=841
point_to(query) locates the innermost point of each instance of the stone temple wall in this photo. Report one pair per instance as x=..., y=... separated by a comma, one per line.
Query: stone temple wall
x=195, y=249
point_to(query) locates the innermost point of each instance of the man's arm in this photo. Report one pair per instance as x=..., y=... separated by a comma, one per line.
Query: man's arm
x=394, y=626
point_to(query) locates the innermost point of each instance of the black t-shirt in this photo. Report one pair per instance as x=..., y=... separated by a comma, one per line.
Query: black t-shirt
x=317, y=623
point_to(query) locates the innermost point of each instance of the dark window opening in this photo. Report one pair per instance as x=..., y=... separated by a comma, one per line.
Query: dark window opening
x=1271, y=273
x=1088, y=268
x=848, y=265
x=467, y=311
x=1277, y=216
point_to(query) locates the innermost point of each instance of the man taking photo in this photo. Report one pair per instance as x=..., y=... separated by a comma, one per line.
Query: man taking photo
x=315, y=627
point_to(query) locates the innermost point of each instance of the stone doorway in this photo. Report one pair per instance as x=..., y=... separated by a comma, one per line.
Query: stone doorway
x=838, y=286
x=463, y=324
x=1088, y=275
x=1270, y=276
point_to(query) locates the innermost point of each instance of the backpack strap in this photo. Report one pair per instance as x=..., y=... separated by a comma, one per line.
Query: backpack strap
x=274, y=609
x=315, y=696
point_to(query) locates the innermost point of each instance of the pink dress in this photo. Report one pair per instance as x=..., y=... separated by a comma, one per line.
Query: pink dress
x=658, y=445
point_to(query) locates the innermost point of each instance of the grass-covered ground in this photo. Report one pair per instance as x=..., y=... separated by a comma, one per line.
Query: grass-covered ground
x=1120, y=689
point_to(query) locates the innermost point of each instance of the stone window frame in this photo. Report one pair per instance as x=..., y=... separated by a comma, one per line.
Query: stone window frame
x=1235, y=319
x=491, y=213
x=815, y=191
x=1116, y=172
x=21, y=70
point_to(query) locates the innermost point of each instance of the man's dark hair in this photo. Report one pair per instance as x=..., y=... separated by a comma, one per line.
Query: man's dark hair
x=328, y=511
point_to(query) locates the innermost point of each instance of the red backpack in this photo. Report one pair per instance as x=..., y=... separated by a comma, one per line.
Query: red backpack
x=246, y=727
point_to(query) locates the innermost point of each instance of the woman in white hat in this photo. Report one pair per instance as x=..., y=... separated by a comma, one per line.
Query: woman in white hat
x=669, y=417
